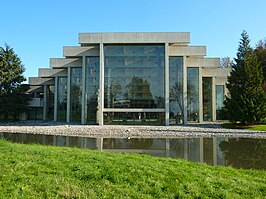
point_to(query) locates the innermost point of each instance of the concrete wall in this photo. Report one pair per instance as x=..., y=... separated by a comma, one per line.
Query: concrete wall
x=135, y=37
x=64, y=63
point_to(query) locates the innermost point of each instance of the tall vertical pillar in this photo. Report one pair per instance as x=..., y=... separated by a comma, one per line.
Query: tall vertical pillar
x=185, y=89
x=200, y=96
x=166, y=86
x=101, y=105
x=213, y=100
x=83, y=95
x=45, y=104
x=68, y=93
x=55, y=98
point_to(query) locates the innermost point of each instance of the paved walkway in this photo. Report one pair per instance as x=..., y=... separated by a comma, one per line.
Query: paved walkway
x=115, y=131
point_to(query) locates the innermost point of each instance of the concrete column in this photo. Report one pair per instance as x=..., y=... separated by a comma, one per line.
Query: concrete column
x=68, y=93
x=200, y=97
x=185, y=89
x=83, y=97
x=166, y=87
x=101, y=105
x=45, y=101
x=213, y=99
x=55, y=98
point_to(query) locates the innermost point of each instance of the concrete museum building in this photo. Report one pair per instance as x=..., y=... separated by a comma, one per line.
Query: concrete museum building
x=130, y=78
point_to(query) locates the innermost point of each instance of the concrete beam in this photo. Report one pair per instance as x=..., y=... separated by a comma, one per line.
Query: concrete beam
x=65, y=62
x=134, y=37
x=78, y=51
x=215, y=72
x=37, y=81
x=48, y=72
x=203, y=62
x=220, y=80
x=35, y=89
x=187, y=51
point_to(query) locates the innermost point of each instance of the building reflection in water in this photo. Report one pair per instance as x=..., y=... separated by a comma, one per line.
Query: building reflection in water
x=235, y=152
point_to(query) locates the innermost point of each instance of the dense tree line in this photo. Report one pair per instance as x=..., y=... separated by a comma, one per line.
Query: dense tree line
x=246, y=102
x=13, y=97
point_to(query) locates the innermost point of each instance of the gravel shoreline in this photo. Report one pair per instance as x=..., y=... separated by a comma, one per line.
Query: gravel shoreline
x=117, y=131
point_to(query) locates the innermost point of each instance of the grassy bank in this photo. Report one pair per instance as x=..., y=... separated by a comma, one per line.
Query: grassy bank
x=259, y=127
x=33, y=171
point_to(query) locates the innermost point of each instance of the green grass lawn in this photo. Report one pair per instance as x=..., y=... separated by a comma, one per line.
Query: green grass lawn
x=259, y=127
x=34, y=171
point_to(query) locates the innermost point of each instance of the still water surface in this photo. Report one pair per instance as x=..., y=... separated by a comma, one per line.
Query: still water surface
x=236, y=152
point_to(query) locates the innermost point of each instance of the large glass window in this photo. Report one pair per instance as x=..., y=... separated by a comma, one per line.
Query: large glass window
x=92, y=90
x=76, y=94
x=176, y=90
x=207, y=98
x=50, y=102
x=219, y=101
x=134, y=76
x=62, y=99
x=193, y=94
x=134, y=118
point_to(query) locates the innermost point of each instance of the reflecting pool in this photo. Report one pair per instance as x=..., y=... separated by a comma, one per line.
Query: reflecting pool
x=236, y=152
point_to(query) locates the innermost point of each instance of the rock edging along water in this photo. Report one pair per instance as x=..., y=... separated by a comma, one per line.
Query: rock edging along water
x=114, y=131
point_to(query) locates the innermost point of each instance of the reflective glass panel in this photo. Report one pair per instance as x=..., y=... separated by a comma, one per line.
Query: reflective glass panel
x=62, y=99
x=176, y=90
x=92, y=90
x=134, y=76
x=76, y=94
x=50, y=102
x=207, y=98
x=140, y=118
x=193, y=94
x=219, y=101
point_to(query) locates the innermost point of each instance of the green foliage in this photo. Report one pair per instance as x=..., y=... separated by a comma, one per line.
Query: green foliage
x=13, y=100
x=247, y=100
x=260, y=127
x=260, y=52
x=32, y=171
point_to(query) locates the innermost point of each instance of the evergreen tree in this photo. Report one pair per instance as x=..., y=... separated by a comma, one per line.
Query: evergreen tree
x=13, y=100
x=246, y=102
x=260, y=51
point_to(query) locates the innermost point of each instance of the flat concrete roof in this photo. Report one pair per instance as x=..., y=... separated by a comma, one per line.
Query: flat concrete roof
x=134, y=37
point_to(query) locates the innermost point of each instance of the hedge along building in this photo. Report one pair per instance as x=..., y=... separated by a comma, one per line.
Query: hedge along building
x=130, y=78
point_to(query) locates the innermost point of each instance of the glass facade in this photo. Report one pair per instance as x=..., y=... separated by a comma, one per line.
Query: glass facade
x=134, y=118
x=193, y=94
x=207, y=98
x=62, y=99
x=35, y=113
x=75, y=94
x=134, y=89
x=50, y=102
x=219, y=90
x=92, y=90
x=176, y=105
x=134, y=77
